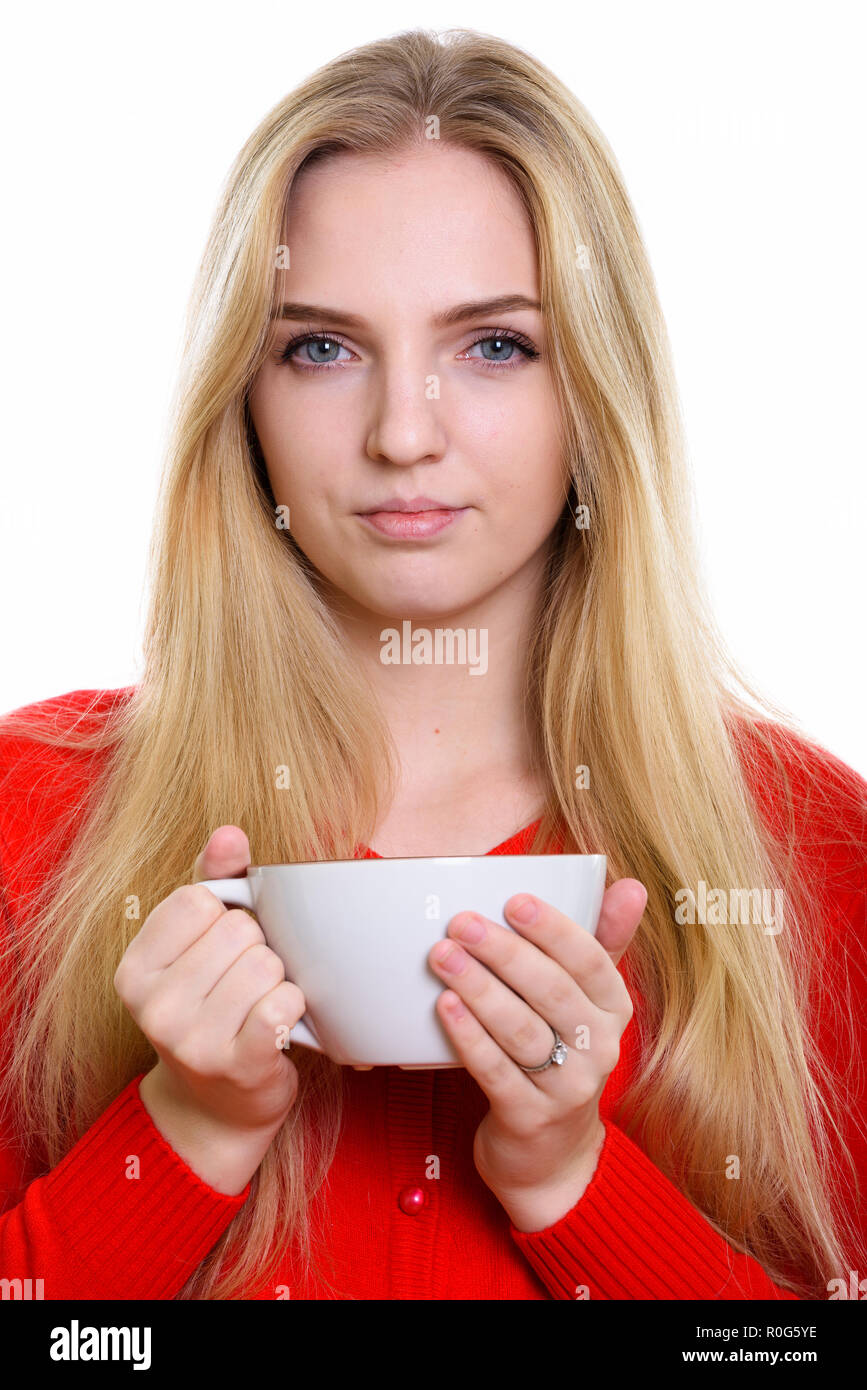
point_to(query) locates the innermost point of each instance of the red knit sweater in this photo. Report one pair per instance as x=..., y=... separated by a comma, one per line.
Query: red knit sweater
x=88, y=1230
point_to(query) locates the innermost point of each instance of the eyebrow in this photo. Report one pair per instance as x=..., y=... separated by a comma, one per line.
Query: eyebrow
x=472, y=308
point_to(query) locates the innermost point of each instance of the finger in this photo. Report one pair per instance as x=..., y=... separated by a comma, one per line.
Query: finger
x=192, y=909
x=581, y=956
x=226, y=855
x=254, y=974
x=271, y=1019
x=507, y=1087
x=622, y=909
x=518, y=1024
x=197, y=972
x=174, y=925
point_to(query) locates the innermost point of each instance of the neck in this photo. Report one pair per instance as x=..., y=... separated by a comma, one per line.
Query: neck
x=443, y=717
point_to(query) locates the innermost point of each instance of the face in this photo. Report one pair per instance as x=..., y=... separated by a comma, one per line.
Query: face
x=391, y=389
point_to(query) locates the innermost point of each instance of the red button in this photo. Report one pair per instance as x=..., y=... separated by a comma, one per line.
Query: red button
x=411, y=1200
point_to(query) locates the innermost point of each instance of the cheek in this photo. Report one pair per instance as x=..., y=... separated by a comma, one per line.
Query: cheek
x=524, y=480
x=291, y=446
x=278, y=413
x=266, y=414
x=518, y=448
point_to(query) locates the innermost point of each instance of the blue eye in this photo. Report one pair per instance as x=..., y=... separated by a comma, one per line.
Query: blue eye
x=505, y=340
x=330, y=343
x=325, y=341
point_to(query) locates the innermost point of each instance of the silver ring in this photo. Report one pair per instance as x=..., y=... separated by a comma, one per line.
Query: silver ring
x=559, y=1053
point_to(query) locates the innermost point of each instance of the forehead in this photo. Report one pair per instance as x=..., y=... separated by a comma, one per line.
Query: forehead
x=416, y=166
x=434, y=211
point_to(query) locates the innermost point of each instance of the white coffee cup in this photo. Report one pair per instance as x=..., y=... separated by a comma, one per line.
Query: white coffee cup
x=354, y=935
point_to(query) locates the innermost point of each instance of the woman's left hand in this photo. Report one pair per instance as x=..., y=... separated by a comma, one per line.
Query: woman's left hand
x=538, y=1146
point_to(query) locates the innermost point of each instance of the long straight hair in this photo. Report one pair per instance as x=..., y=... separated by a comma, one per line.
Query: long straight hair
x=247, y=689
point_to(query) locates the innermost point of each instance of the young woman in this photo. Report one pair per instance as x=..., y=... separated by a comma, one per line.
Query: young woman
x=426, y=381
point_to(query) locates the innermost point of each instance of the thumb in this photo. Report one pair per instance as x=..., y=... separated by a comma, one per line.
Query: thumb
x=623, y=906
x=226, y=855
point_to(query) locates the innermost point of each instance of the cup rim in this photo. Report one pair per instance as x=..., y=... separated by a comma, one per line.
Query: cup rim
x=414, y=858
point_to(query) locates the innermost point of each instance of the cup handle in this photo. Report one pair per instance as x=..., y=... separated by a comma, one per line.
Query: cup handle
x=235, y=892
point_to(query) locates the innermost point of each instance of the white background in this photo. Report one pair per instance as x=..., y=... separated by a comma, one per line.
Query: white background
x=739, y=129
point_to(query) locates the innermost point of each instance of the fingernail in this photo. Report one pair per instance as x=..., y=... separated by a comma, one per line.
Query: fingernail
x=450, y=958
x=469, y=927
x=524, y=910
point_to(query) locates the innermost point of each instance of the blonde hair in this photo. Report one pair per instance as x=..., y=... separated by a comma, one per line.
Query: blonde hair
x=245, y=673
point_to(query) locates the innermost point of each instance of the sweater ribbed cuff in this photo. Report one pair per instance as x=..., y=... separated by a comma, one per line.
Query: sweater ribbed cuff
x=634, y=1235
x=132, y=1237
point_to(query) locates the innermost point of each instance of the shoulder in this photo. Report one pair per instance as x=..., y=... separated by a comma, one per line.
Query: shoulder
x=45, y=735
x=764, y=744
x=61, y=712
x=28, y=727
x=787, y=769
x=49, y=753
x=811, y=800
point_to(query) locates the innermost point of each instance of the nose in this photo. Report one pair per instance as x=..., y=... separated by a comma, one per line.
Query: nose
x=407, y=425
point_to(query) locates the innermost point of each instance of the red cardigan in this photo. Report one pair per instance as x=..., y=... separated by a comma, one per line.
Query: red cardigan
x=88, y=1231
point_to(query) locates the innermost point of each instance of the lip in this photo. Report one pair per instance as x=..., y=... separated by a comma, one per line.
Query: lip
x=412, y=525
x=410, y=504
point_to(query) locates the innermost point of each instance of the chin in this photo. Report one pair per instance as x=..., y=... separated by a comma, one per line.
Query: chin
x=424, y=606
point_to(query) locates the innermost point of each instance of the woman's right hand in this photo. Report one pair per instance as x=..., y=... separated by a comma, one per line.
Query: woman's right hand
x=213, y=999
